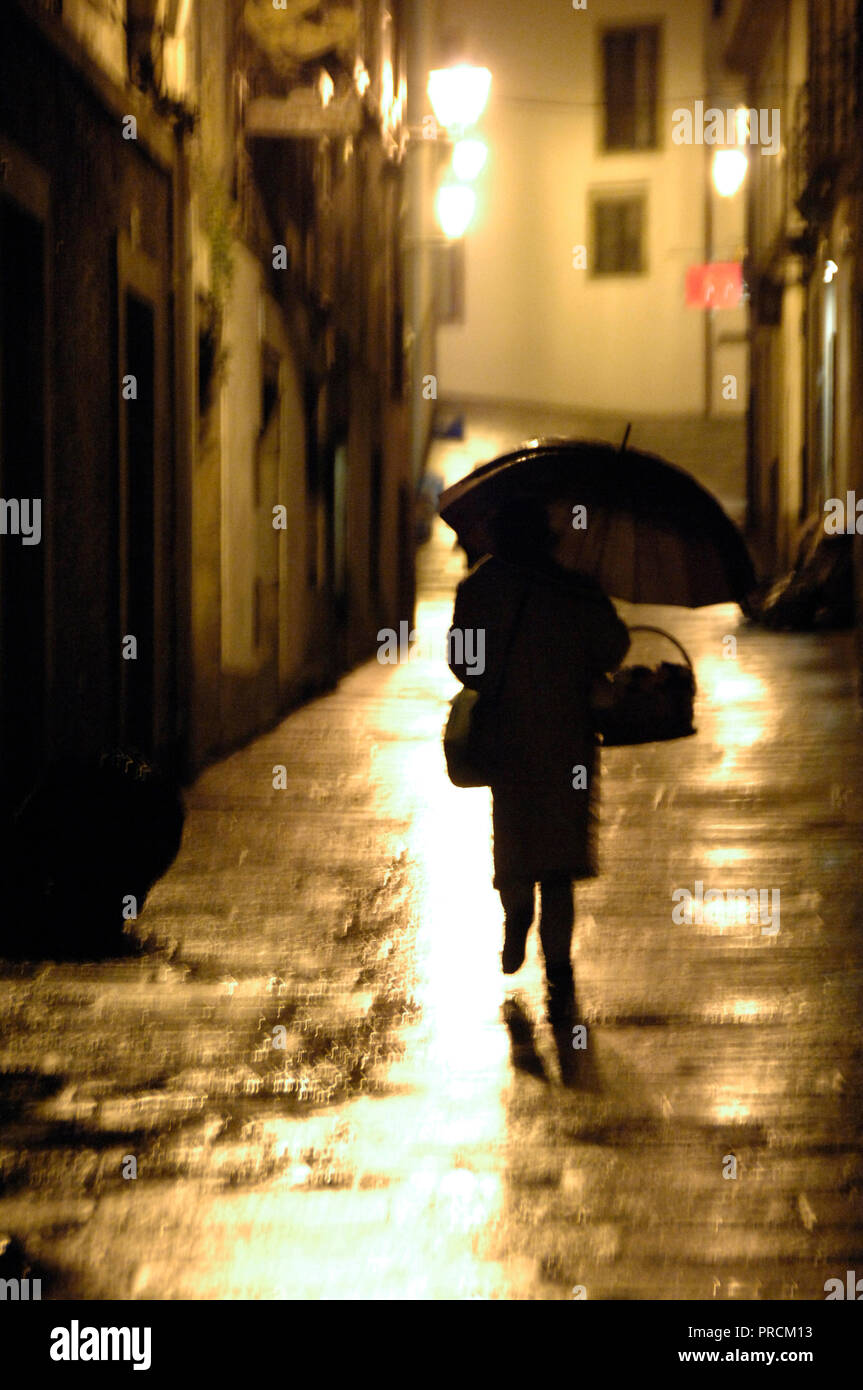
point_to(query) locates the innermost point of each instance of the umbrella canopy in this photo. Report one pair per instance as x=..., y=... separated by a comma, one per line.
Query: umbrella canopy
x=649, y=533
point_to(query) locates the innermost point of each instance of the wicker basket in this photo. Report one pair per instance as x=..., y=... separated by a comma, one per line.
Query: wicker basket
x=643, y=704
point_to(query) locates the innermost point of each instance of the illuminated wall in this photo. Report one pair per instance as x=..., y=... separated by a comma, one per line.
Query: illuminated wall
x=536, y=327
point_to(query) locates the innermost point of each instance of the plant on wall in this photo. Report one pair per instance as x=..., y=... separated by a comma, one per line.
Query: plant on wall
x=219, y=223
x=296, y=31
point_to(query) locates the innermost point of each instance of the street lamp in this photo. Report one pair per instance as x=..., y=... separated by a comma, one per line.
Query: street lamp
x=730, y=165
x=455, y=205
x=468, y=159
x=729, y=171
x=458, y=95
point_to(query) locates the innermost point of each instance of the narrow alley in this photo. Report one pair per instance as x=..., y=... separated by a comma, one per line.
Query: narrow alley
x=311, y=1068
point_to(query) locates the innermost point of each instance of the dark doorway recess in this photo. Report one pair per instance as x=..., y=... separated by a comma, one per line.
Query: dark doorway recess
x=22, y=476
x=140, y=347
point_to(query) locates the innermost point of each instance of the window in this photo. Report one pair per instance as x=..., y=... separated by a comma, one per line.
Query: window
x=630, y=62
x=375, y=521
x=451, y=278
x=267, y=447
x=618, y=234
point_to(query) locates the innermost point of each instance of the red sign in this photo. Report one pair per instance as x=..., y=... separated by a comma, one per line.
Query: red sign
x=715, y=286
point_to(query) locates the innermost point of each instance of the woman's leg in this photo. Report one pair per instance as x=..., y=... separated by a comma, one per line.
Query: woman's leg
x=555, y=931
x=516, y=895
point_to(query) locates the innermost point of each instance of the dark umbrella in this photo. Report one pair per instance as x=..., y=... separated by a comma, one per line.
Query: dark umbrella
x=652, y=534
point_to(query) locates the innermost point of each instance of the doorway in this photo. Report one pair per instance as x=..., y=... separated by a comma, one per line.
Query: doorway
x=22, y=487
x=139, y=521
x=146, y=717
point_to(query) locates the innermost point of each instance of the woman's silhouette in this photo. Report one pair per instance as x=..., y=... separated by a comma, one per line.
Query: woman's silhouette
x=550, y=632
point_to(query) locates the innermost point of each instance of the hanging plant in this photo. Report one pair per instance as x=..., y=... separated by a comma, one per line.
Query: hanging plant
x=219, y=222
x=219, y=218
x=292, y=32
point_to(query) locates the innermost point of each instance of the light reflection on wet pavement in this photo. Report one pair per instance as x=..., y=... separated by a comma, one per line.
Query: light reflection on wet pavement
x=316, y=1078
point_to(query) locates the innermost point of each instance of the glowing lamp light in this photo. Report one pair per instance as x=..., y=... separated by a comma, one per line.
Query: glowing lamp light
x=361, y=77
x=458, y=95
x=830, y=269
x=729, y=171
x=468, y=159
x=326, y=88
x=455, y=206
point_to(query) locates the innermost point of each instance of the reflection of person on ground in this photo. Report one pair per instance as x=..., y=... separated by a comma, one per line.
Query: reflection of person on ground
x=555, y=632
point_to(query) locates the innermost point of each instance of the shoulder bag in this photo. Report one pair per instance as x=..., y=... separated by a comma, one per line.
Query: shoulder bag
x=465, y=768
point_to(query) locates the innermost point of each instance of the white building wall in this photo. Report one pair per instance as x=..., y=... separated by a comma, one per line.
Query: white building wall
x=99, y=26
x=536, y=328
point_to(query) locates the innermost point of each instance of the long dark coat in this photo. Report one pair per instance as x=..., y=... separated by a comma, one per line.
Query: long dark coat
x=535, y=723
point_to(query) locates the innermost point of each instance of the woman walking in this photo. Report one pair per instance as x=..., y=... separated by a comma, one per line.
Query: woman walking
x=550, y=632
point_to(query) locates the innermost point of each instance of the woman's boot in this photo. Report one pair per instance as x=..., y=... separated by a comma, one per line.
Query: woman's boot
x=517, y=901
x=516, y=928
x=561, y=992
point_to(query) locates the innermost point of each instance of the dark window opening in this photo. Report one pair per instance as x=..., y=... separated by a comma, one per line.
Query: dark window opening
x=269, y=412
x=618, y=235
x=269, y=390
x=630, y=71
x=206, y=369
x=375, y=511
x=451, y=278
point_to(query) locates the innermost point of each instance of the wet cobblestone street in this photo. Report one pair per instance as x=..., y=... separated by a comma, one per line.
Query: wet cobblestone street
x=312, y=1069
